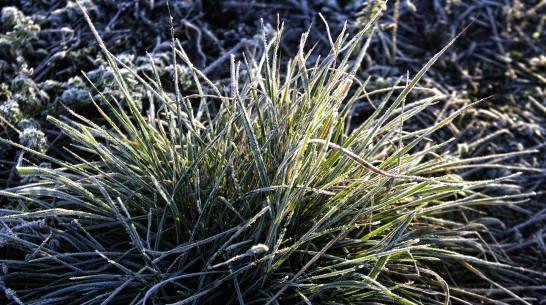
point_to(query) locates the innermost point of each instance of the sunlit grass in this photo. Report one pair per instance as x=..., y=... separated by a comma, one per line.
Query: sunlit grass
x=270, y=200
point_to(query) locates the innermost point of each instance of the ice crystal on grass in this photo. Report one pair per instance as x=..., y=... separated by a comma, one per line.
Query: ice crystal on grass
x=26, y=92
x=11, y=111
x=33, y=138
x=30, y=178
x=18, y=27
x=71, y=13
x=28, y=123
x=76, y=93
x=22, y=84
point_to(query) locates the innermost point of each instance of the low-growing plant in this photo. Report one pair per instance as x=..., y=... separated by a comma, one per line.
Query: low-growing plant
x=273, y=199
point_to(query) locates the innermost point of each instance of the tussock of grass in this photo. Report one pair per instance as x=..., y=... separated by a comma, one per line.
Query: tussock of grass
x=270, y=200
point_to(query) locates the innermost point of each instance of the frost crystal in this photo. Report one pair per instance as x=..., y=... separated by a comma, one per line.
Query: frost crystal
x=75, y=93
x=28, y=123
x=33, y=138
x=10, y=111
x=18, y=27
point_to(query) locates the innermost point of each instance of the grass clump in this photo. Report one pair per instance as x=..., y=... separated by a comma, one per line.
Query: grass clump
x=270, y=200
